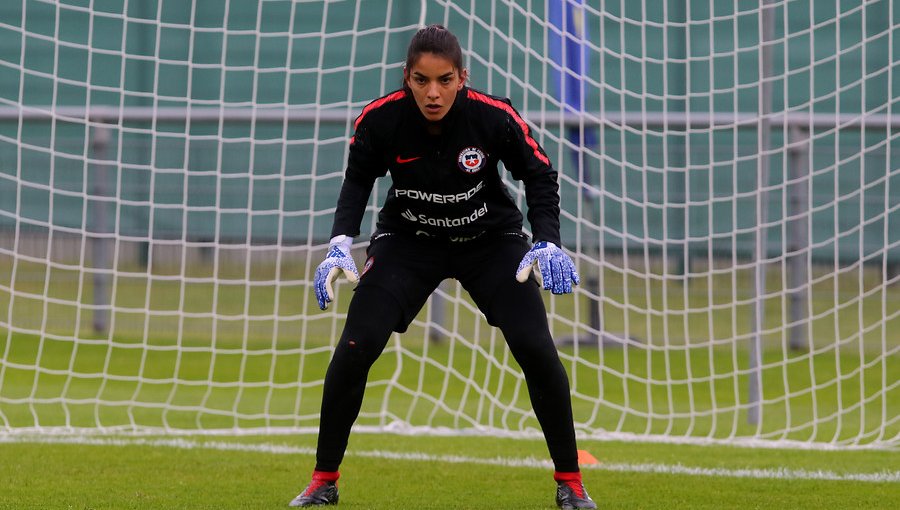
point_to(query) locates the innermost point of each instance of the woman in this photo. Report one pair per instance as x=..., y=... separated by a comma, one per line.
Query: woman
x=447, y=215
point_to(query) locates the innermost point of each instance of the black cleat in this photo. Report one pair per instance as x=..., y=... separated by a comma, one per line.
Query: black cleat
x=571, y=495
x=318, y=492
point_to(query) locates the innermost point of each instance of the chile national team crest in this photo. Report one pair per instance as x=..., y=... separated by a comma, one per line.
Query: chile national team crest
x=471, y=160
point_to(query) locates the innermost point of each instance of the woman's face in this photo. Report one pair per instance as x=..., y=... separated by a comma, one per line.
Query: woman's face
x=434, y=82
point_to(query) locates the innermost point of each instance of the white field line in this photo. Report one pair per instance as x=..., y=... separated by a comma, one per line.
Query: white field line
x=527, y=462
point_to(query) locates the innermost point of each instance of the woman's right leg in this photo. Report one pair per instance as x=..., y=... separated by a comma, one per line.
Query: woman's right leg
x=371, y=318
x=399, y=275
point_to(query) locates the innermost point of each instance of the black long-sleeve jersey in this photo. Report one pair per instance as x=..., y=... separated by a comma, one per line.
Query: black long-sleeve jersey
x=447, y=185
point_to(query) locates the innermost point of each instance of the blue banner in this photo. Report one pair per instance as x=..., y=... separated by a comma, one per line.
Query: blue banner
x=568, y=38
x=568, y=49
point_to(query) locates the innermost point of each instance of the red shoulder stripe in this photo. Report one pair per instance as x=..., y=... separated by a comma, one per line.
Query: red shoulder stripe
x=400, y=94
x=477, y=96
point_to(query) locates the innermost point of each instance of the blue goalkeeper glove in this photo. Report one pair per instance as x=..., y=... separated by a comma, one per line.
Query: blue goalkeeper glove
x=337, y=260
x=555, y=270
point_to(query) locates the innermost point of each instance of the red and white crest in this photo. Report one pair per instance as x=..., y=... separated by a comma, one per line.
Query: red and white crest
x=471, y=160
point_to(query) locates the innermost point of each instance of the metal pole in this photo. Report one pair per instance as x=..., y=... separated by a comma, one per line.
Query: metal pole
x=100, y=241
x=592, y=245
x=758, y=313
x=798, y=239
x=688, y=120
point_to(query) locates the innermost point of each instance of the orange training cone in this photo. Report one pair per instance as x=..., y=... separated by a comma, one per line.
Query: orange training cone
x=585, y=457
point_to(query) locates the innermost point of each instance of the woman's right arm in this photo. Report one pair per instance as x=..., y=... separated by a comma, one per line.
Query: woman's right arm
x=363, y=166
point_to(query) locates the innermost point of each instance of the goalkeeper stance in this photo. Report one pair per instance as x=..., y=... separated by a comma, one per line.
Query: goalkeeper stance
x=447, y=215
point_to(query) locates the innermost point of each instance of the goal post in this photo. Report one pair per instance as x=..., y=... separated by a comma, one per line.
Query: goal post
x=730, y=194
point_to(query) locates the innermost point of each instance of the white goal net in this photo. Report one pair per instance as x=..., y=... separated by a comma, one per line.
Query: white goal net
x=730, y=182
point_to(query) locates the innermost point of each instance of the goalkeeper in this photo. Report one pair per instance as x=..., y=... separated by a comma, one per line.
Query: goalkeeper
x=447, y=215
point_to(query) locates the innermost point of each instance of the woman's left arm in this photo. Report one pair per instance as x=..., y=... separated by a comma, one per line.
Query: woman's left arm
x=526, y=161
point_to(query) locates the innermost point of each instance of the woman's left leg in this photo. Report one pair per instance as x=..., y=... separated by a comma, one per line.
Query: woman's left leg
x=487, y=268
x=519, y=312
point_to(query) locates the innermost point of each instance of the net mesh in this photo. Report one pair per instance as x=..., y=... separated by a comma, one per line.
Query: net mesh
x=730, y=193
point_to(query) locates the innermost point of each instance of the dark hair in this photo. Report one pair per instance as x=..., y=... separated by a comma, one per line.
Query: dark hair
x=438, y=40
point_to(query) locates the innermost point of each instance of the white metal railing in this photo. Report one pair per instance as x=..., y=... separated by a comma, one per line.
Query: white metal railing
x=112, y=114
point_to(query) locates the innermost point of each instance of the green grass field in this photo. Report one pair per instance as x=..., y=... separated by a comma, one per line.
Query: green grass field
x=397, y=472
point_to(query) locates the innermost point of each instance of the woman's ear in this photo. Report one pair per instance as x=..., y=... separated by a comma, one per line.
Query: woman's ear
x=463, y=78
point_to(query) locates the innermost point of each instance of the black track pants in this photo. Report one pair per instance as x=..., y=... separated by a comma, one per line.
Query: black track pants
x=401, y=274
